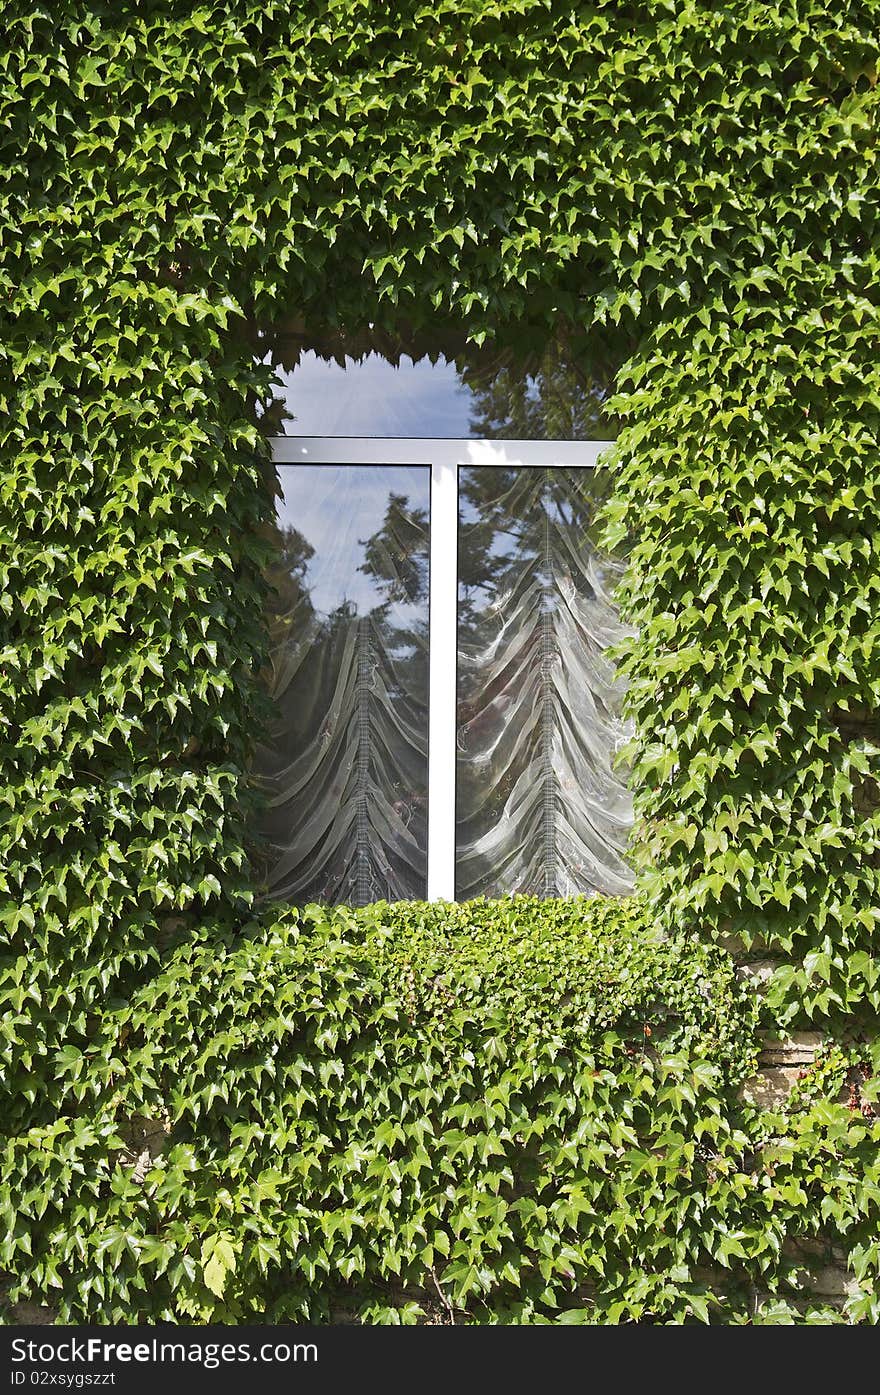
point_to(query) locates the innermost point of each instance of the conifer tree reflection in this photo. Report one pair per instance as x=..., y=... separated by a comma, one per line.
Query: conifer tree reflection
x=347, y=766
x=539, y=807
x=546, y=400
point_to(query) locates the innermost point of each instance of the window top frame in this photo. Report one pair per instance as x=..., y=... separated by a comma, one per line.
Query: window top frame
x=434, y=450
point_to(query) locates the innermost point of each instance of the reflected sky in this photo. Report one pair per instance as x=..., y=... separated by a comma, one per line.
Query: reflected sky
x=373, y=398
x=337, y=508
x=495, y=523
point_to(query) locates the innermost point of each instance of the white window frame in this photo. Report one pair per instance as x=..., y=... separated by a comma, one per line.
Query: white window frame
x=444, y=456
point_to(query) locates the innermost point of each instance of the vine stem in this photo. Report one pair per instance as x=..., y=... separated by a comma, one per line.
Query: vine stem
x=443, y=1298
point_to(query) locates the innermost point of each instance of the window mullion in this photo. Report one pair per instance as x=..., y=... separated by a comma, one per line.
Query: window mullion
x=442, y=681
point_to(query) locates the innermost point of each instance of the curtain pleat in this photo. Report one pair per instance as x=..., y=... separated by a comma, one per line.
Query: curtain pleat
x=345, y=771
x=540, y=807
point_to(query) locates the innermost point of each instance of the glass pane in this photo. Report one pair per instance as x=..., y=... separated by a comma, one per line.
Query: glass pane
x=539, y=808
x=346, y=769
x=373, y=398
x=547, y=400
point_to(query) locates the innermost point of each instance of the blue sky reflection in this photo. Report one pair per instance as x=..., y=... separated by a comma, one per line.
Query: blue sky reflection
x=336, y=508
x=373, y=398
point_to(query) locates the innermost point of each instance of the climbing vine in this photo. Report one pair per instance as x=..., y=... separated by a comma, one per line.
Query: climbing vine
x=686, y=191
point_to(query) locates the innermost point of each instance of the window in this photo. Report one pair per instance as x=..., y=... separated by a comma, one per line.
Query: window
x=539, y=807
x=352, y=389
x=347, y=772
x=447, y=717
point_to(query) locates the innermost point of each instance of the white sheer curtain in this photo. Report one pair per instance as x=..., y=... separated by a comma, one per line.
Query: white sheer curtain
x=539, y=807
x=345, y=771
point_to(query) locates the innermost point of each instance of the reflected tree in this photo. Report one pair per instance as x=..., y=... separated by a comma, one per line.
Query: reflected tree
x=549, y=400
x=346, y=771
x=396, y=556
x=540, y=807
x=291, y=603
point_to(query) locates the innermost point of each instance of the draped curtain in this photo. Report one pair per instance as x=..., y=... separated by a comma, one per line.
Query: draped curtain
x=540, y=808
x=345, y=770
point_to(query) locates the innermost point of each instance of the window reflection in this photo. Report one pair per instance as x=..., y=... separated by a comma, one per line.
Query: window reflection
x=346, y=768
x=473, y=395
x=551, y=402
x=540, y=809
x=373, y=397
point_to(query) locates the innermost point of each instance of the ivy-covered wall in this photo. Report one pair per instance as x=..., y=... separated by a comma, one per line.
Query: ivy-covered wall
x=688, y=187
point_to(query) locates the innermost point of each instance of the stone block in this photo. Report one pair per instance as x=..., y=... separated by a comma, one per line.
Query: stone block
x=833, y=1283
x=771, y=1087
x=798, y=1049
x=757, y=972
x=33, y=1315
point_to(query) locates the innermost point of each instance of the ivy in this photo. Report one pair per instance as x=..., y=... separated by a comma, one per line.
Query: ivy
x=460, y=1102
x=686, y=190
x=517, y=1111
